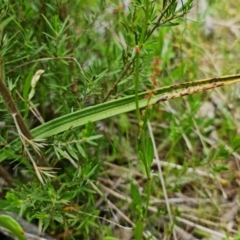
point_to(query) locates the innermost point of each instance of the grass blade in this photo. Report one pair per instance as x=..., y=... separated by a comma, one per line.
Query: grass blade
x=123, y=105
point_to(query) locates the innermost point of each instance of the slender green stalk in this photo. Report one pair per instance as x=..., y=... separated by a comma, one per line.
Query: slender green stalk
x=138, y=49
x=143, y=136
x=137, y=84
x=146, y=22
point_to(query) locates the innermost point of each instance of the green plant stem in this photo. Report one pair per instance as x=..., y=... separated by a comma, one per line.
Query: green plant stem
x=138, y=51
x=148, y=195
x=143, y=127
x=143, y=34
x=137, y=85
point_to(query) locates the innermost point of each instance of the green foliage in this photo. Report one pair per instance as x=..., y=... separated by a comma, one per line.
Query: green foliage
x=12, y=225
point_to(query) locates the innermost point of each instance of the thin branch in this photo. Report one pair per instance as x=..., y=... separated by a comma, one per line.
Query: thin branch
x=12, y=106
x=22, y=128
x=216, y=234
x=160, y=19
x=157, y=24
x=126, y=68
x=6, y=176
x=161, y=179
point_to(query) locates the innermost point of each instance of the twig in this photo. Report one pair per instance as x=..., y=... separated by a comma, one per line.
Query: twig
x=161, y=179
x=167, y=20
x=6, y=176
x=207, y=230
x=126, y=68
x=12, y=108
